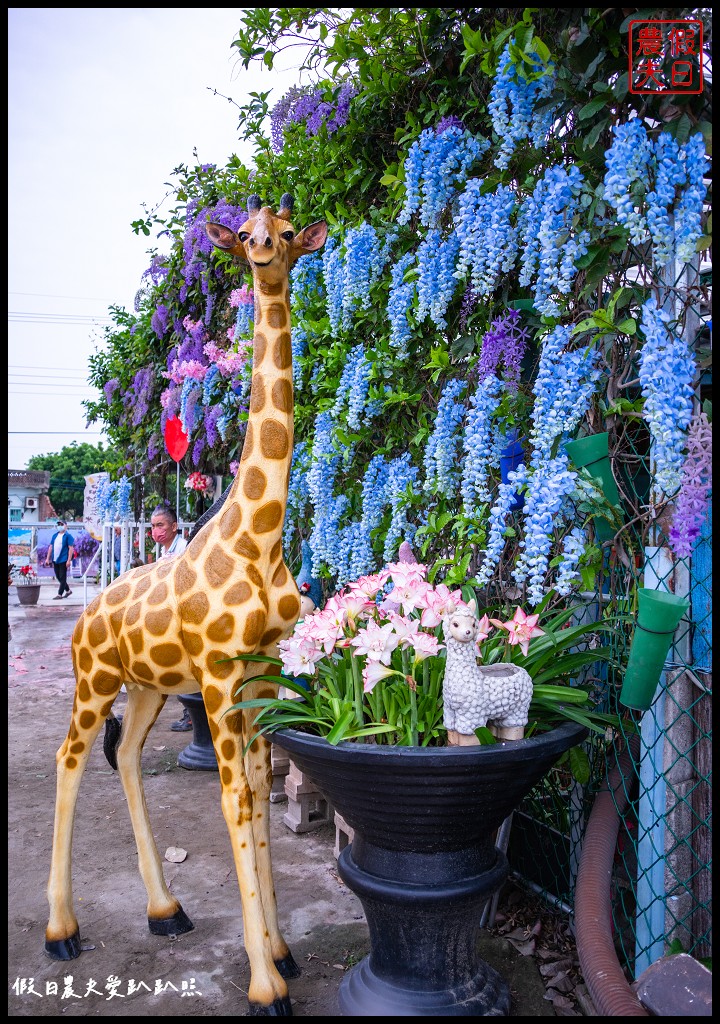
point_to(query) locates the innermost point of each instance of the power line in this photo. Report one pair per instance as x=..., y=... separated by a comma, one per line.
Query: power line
x=76, y=319
x=44, y=295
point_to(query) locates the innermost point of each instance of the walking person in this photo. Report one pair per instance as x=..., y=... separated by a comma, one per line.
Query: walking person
x=62, y=551
x=165, y=532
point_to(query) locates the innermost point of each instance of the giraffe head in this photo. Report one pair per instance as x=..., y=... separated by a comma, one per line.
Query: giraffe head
x=267, y=241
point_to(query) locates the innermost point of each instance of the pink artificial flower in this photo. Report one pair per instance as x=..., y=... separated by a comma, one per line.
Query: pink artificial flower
x=408, y=593
x=438, y=602
x=373, y=672
x=405, y=629
x=355, y=605
x=377, y=642
x=403, y=572
x=371, y=585
x=521, y=629
x=483, y=632
x=299, y=657
x=324, y=629
x=425, y=645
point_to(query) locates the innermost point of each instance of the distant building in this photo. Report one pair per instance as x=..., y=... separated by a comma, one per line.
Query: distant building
x=28, y=501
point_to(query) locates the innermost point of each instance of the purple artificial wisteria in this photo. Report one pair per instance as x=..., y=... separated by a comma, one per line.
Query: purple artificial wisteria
x=505, y=343
x=308, y=104
x=695, y=489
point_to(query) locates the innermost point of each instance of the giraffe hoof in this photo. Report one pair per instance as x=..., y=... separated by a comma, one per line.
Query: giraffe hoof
x=278, y=1008
x=178, y=924
x=64, y=949
x=287, y=968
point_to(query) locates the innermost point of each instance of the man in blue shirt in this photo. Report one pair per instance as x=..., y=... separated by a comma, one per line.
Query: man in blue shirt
x=61, y=550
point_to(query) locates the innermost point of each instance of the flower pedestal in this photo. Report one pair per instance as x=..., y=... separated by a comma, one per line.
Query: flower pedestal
x=423, y=861
x=200, y=754
x=659, y=614
x=28, y=593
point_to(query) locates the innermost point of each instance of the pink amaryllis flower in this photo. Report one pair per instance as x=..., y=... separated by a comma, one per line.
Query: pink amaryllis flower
x=373, y=672
x=377, y=642
x=439, y=601
x=299, y=657
x=521, y=629
x=369, y=586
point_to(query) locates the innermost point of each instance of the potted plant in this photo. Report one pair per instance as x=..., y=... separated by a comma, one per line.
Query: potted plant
x=28, y=585
x=367, y=727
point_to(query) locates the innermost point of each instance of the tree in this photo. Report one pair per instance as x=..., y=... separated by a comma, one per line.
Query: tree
x=68, y=469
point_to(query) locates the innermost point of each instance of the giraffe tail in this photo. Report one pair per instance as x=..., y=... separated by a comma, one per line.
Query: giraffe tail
x=111, y=740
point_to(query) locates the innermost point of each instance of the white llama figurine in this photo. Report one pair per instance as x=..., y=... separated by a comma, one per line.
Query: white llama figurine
x=475, y=695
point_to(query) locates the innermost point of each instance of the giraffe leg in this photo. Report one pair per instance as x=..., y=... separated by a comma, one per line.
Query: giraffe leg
x=267, y=992
x=62, y=935
x=165, y=915
x=258, y=767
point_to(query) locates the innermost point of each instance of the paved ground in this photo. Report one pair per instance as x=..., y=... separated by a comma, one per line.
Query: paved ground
x=125, y=971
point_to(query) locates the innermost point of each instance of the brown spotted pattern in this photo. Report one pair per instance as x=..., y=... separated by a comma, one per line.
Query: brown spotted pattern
x=274, y=440
x=254, y=484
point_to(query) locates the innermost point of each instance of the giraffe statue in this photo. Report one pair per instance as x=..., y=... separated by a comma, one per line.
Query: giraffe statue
x=169, y=628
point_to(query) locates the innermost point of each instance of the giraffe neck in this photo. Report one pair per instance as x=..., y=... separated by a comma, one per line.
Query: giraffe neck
x=261, y=484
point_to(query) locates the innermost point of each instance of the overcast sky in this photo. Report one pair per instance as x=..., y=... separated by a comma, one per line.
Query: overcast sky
x=103, y=104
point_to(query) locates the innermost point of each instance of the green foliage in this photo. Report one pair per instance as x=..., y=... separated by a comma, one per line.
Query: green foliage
x=411, y=67
x=68, y=469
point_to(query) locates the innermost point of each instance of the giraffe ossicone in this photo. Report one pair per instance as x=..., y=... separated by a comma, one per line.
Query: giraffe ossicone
x=170, y=628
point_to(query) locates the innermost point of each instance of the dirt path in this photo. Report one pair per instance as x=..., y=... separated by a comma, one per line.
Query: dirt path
x=124, y=970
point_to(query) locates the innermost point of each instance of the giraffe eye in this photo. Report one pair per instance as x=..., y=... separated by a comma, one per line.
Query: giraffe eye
x=244, y=235
x=288, y=235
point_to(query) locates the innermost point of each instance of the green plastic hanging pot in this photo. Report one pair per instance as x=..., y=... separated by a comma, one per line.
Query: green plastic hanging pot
x=592, y=453
x=659, y=614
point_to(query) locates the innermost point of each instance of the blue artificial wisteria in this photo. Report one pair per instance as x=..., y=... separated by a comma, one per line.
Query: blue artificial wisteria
x=512, y=107
x=548, y=239
x=564, y=386
x=573, y=548
x=477, y=446
x=657, y=189
x=366, y=254
x=353, y=388
x=437, y=166
x=400, y=302
x=349, y=276
x=298, y=491
x=113, y=499
x=436, y=276
x=666, y=370
x=442, y=454
x=565, y=383
x=487, y=236
x=548, y=487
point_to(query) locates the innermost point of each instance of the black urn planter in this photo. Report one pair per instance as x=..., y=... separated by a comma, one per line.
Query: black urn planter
x=200, y=754
x=423, y=861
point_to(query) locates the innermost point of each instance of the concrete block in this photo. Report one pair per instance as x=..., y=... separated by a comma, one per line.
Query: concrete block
x=676, y=986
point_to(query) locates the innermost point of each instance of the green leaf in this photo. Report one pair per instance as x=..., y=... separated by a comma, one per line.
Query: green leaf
x=592, y=107
x=485, y=737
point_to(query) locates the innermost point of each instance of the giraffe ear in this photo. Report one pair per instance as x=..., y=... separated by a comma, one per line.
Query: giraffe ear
x=311, y=238
x=224, y=238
